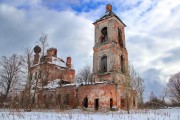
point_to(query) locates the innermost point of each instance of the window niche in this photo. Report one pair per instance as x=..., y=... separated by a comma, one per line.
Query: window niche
x=104, y=63
x=120, y=38
x=134, y=101
x=104, y=35
x=35, y=75
x=39, y=75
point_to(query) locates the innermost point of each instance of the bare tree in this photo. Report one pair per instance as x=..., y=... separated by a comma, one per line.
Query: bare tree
x=152, y=97
x=43, y=77
x=10, y=67
x=128, y=90
x=84, y=75
x=43, y=42
x=173, y=87
x=154, y=102
x=132, y=83
x=137, y=83
x=27, y=64
x=164, y=95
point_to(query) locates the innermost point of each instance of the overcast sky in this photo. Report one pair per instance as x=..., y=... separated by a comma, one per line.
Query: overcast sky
x=152, y=32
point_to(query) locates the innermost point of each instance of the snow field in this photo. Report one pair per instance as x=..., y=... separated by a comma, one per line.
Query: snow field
x=162, y=114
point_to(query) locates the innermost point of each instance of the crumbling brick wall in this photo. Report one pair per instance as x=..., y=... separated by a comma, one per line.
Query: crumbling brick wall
x=67, y=97
x=102, y=92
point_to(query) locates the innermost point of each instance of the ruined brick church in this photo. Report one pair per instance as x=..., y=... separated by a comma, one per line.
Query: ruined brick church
x=110, y=88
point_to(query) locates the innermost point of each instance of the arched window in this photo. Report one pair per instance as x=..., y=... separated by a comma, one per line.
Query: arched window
x=104, y=63
x=120, y=37
x=104, y=36
x=122, y=64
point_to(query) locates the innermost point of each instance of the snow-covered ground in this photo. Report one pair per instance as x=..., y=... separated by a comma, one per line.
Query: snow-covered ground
x=162, y=114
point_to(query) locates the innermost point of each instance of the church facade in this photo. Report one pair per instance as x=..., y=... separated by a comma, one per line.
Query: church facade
x=110, y=67
x=110, y=88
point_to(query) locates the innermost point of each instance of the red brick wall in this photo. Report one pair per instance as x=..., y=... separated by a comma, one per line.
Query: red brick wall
x=101, y=91
x=63, y=91
x=53, y=72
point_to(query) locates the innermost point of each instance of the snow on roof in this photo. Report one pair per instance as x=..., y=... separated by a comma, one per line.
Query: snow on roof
x=100, y=82
x=58, y=62
x=91, y=83
x=68, y=85
x=56, y=83
x=53, y=84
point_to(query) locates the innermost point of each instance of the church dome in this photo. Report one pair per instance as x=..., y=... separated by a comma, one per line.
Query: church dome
x=37, y=49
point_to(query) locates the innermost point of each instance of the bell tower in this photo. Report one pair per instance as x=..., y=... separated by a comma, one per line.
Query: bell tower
x=110, y=57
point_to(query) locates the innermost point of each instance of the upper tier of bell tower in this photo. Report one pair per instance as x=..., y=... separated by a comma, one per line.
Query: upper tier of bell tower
x=110, y=52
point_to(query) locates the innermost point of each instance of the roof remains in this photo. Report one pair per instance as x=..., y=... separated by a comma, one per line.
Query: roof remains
x=109, y=13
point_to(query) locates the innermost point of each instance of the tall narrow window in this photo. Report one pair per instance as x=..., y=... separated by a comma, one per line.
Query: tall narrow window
x=120, y=38
x=122, y=65
x=39, y=75
x=104, y=36
x=104, y=63
x=35, y=76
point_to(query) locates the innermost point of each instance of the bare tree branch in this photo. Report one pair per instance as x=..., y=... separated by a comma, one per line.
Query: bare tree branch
x=173, y=87
x=43, y=42
x=9, y=72
x=137, y=84
x=84, y=76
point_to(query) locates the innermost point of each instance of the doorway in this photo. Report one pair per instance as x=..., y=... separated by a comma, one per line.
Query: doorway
x=96, y=104
x=85, y=102
x=122, y=103
x=111, y=103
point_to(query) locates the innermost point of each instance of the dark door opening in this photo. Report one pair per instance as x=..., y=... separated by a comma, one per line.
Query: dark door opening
x=96, y=104
x=86, y=102
x=134, y=102
x=122, y=103
x=111, y=103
